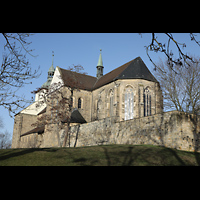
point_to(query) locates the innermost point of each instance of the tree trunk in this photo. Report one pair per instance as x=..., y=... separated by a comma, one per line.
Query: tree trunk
x=66, y=135
x=58, y=135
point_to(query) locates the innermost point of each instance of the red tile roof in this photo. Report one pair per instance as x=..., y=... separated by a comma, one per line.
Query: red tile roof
x=77, y=80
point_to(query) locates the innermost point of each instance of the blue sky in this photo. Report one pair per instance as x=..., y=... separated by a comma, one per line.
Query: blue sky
x=84, y=49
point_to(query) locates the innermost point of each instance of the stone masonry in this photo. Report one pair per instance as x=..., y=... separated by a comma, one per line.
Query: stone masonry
x=171, y=129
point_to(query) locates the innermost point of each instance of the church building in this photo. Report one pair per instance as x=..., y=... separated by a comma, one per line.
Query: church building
x=127, y=92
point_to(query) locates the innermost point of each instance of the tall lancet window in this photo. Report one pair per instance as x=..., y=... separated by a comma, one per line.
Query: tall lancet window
x=111, y=96
x=79, y=103
x=129, y=103
x=100, y=109
x=147, y=102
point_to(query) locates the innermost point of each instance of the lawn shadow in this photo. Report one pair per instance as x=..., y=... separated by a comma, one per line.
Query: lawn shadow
x=125, y=158
x=197, y=156
x=20, y=152
x=172, y=151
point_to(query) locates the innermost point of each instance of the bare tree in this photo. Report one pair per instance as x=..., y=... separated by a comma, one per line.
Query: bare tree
x=5, y=140
x=180, y=85
x=58, y=110
x=15, y=71
x=165, y=47
x=58, y=99
x=1, y=123
x=5, y=137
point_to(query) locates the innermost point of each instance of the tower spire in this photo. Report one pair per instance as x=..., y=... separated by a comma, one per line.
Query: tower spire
x=100, y=66
x=52, y=57
x=100, y=62
x=51, y=69
x=50, y=74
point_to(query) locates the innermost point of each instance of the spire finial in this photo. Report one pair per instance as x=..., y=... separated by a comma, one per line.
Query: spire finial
x=52, y=57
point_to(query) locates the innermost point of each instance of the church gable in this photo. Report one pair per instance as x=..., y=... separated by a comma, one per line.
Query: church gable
x=57, y=77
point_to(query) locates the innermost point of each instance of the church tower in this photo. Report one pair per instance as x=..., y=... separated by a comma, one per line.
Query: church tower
x=50, y=74
x=51, y=70
x=100, y=66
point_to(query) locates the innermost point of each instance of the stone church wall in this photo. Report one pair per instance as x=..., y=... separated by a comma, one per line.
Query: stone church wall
x=109, y=100
x=22, y=124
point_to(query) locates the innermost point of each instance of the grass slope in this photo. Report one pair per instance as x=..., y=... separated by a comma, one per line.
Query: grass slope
x=107, y=155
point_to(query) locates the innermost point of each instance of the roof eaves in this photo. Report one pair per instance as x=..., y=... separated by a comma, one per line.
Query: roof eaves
x=39, y=129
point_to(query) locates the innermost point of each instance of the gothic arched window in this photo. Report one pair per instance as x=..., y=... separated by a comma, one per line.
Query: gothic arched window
x=100, y=109
x=72, y=101
x=129, y=103
x=147, y=102
x=111, y=102
x=79, y=102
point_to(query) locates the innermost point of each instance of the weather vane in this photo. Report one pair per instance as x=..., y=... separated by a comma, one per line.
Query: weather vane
x=52, y=57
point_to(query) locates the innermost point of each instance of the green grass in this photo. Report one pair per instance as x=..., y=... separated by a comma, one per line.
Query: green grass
x=113, y=155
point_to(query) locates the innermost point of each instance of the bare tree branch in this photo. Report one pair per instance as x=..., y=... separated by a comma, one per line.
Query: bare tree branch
x=180, y=86
x=157, y=46
x=58, y=99
x=193, y=38
x=15, y=71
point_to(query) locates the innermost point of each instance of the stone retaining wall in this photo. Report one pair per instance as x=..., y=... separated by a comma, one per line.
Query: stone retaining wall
x=171, y=129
